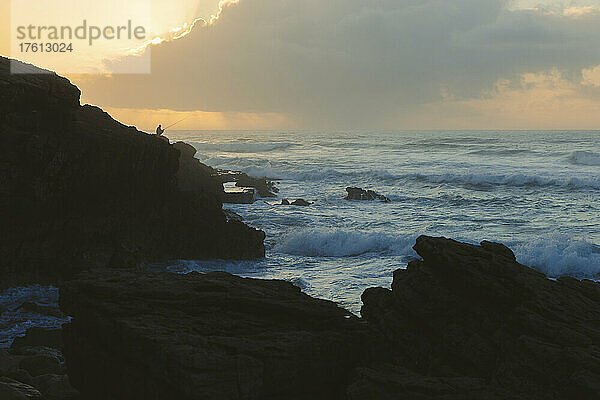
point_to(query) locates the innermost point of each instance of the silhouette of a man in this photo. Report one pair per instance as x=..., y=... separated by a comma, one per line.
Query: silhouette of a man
x=159, y=130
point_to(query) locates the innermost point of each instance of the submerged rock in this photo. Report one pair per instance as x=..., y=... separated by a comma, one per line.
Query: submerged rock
x=80, y=190
x=361, y=194
x=470, y=322
x=301, y=203
x=159, y=336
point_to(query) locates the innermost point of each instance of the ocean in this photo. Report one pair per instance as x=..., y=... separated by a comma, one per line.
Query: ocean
x=538, y=192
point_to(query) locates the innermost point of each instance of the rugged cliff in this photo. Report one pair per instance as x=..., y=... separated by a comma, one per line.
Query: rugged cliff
x=79, y=190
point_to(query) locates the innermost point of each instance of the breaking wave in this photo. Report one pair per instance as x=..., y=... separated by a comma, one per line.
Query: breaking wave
x=559, y=255
x=484, y=181
x=514, y=180
x=338, y=243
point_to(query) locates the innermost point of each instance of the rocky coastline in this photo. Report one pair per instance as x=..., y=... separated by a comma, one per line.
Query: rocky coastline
x=86, y=202
x=80, y=190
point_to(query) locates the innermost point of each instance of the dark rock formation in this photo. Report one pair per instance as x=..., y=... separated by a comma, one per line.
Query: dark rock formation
x=158, y=336
x=265, y=187
x=361, y=194
x=79, y=190
x=469, y=322
x=239, y=195
x=301, y=203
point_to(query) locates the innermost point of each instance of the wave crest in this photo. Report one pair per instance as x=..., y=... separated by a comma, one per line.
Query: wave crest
x=559, y=255
x=340, y=243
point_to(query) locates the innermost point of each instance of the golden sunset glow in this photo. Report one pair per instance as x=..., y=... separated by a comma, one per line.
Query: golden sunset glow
x=232, y=48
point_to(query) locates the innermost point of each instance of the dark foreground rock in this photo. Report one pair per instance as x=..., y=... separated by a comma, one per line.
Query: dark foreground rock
x=34, y=368
x=79, y=190
x=214, y=336
x=469, y=322
x=361, y=194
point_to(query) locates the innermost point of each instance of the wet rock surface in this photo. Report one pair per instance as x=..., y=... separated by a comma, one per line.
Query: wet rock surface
x=298, y=202
x=368, y=195
x=212, y=336
x=470, y=322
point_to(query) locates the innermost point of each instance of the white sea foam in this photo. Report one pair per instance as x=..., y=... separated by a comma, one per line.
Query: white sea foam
x=584, y=158
x=559, y=255
x=512, y=180
x=14, y=321
x=340, y=243
x=481, y=180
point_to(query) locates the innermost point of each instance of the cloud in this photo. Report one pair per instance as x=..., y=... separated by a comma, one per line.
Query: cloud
x=353, y=63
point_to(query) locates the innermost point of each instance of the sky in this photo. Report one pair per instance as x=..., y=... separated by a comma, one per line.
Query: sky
x=361, y=64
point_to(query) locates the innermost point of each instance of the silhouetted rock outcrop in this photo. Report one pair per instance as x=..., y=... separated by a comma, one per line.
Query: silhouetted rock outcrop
x=469, y=322
x=265, y=187
x=158, y=336
x=466, y=322
x=361, y=194
x=80, y=190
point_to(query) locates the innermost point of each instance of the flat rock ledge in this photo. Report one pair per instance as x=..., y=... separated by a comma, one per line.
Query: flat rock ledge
x=205, y=336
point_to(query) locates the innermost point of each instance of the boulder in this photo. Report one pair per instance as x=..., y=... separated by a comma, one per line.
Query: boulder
x=469, y=321
x=361, y=194
x=301, y=203
x=157, y=336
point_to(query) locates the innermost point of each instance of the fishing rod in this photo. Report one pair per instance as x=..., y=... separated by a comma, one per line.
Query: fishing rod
x=172, y=125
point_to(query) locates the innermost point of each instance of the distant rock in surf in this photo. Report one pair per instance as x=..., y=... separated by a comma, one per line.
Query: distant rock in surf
x=361, y=194
x=299, y=203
